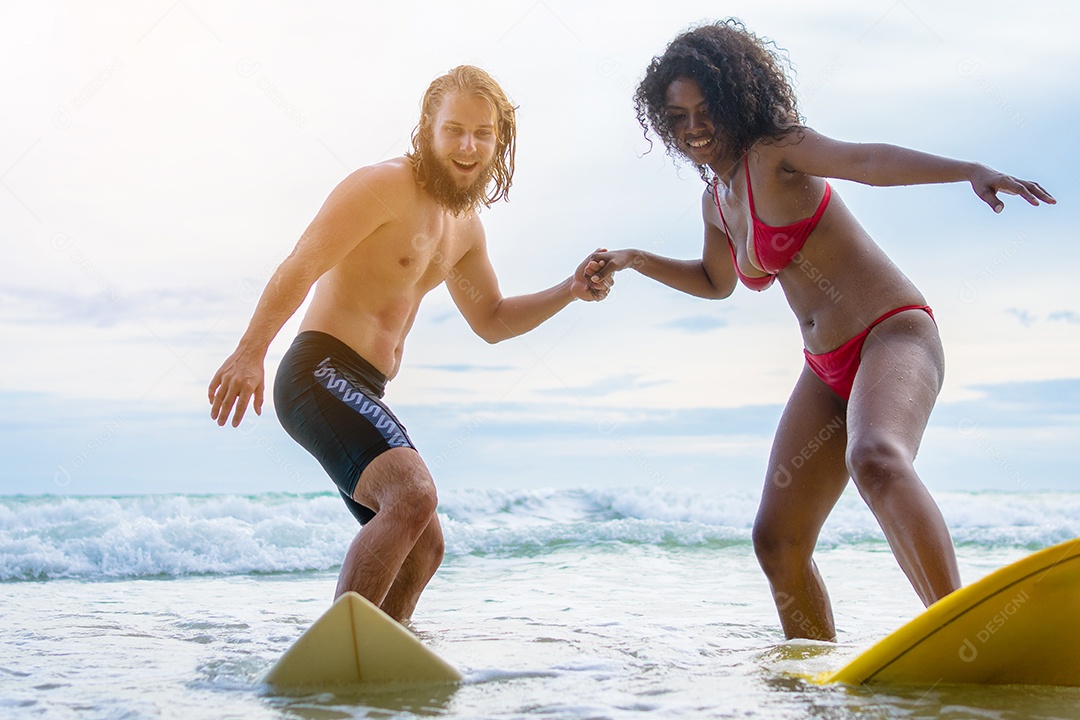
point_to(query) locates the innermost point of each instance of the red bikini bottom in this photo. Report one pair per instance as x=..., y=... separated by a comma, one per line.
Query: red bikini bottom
x=837, y=367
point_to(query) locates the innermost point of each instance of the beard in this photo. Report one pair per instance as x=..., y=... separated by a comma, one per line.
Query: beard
x=442, y=185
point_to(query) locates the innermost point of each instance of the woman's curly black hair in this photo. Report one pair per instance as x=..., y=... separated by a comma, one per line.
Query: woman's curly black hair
x=741, y=77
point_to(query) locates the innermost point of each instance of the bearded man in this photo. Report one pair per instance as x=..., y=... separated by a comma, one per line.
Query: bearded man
x=386, y=236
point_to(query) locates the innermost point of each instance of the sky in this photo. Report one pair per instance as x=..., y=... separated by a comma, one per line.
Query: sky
x=159, y=159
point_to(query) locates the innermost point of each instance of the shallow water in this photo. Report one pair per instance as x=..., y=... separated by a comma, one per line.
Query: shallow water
x=555, y=605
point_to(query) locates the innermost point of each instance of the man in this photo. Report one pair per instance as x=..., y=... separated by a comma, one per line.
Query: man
x=386, y=236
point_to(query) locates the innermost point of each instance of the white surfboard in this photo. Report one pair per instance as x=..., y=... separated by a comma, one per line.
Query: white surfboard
x=356, y=643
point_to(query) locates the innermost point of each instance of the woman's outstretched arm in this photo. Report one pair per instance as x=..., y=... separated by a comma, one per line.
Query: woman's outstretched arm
x=883, y=165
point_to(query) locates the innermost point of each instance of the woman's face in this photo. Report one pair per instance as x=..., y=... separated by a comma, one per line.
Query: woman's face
x=690, y=120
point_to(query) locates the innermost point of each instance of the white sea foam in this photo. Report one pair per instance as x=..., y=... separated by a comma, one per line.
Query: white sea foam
x=167, y=535
x=176, y=535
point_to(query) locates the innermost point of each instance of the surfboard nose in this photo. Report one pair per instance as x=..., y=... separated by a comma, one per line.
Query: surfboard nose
x=1017, y=625
x=354, y=643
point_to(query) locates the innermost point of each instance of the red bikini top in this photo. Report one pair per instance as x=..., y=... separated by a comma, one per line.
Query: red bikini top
x=774, y=246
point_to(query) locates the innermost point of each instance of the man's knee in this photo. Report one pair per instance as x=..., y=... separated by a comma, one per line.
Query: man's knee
x=400, y=487
x=413, y=503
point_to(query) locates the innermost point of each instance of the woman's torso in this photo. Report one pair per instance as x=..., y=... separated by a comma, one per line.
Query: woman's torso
x=839, y=280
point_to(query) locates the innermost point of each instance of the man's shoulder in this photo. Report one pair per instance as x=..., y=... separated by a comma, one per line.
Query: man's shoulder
x=395, y=173
x=471, y=223
x=389, y=185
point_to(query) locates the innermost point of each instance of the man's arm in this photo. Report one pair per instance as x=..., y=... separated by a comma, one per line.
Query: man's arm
x=885, y=165
x=475, y=290
x=354, y=210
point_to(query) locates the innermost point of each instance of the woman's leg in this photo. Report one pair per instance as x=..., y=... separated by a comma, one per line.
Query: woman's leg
x=806, y=476
x=895, y=389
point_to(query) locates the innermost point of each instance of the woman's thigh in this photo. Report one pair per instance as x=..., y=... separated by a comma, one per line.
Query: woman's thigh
x=807, y=472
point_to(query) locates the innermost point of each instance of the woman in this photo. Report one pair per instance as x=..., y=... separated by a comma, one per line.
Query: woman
x=719, y=97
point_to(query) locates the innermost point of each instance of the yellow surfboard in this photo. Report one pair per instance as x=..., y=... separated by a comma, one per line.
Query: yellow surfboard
x=356, y=643
x=1018, y=625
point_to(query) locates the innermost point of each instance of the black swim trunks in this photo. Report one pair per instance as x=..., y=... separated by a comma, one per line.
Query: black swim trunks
x=327, y=398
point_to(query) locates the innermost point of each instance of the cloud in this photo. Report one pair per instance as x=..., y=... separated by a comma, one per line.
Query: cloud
x=1029, y=319
x=442, y=317
x=107, y=307
x=1068, y=316
x=536, y=420
x=606, y=386
x=1017, y=404
x=1025, y=317
x=466, y=368
x=697, y=323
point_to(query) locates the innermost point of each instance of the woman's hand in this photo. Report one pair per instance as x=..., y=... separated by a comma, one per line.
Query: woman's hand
x=603, y=264
x=987, y=183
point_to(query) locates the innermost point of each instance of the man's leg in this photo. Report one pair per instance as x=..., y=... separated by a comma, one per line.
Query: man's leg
x=399, y=488
x=415, y=572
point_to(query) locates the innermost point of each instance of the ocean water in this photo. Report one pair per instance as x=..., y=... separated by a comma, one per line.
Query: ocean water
x=573, y=604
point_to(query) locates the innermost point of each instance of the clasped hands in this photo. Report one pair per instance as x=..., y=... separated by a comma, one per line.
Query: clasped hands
x=596, y=275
